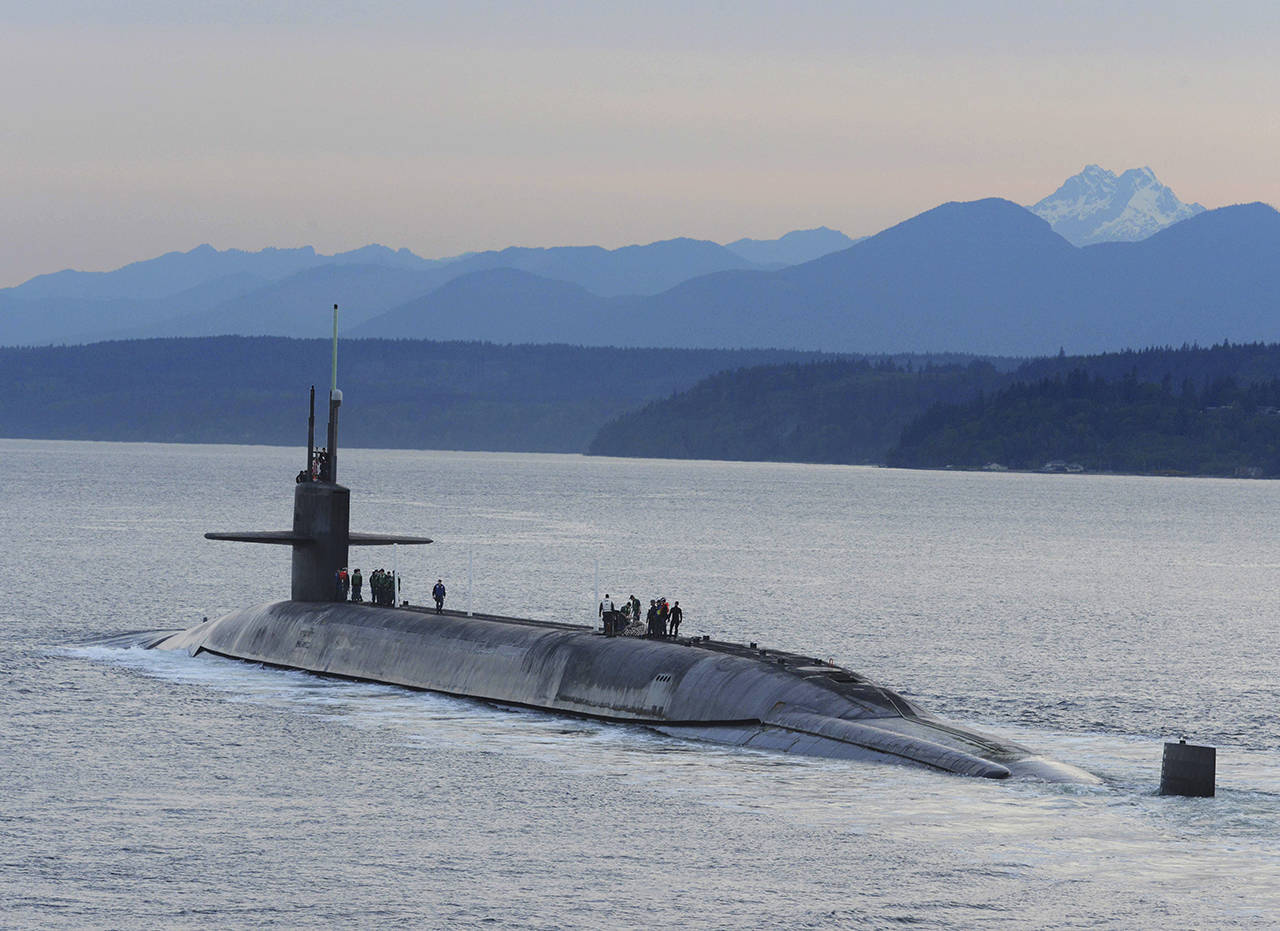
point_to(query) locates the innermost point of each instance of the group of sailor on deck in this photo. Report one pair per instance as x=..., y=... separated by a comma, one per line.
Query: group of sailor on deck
x=382, y=586
x=661, y=621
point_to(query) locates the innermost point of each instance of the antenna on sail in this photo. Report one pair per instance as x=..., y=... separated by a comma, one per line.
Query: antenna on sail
x=321, y=536
x=311, y=436
x=334, y=384
x=335, y=401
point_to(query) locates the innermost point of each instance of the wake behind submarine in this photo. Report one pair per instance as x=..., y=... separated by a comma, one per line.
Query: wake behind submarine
x=695, y=688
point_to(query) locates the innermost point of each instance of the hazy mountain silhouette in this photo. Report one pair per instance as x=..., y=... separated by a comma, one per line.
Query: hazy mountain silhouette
x=297, y=306
x=610, y=273
x=503, y=305
x=168, y=274
x=956, y=274
x=168, y=295
x=391, y=258
x=984, y=277
x=952, y=278
x=990, y=277
x=1202, y=280
x=36, y=321
x=265, y=292
x=793, y=248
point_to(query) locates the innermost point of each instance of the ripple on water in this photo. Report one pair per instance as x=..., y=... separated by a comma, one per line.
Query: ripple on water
x=1089, y=619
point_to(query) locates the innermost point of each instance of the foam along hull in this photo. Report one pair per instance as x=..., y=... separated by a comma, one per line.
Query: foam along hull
x=719, y=692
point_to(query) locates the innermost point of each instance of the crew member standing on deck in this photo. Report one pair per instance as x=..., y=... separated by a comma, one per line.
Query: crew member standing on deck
x=606, y=613
x=676, y=617
x=438, y=594
x=357, y=582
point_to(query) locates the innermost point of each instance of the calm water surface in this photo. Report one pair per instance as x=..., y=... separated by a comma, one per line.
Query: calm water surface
x=1091, y=617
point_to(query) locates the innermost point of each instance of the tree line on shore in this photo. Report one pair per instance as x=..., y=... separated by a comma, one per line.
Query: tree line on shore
x=1195, y=410
x=1221, y=427
x=400, y=394
x=1188, y=410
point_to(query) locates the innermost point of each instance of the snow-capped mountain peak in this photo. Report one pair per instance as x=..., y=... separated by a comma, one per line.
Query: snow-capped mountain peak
x=1099, y=206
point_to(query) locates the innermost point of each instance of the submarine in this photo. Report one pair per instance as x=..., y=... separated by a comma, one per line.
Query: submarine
x=689, y=687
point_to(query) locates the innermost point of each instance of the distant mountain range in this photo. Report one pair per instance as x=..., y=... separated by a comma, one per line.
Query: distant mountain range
x=793, y=248
x=984, y=277
x=284, y=292
x=1099, y=206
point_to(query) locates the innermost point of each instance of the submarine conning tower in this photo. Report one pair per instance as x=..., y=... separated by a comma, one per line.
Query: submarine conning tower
x=321, y=515
x=321, y=534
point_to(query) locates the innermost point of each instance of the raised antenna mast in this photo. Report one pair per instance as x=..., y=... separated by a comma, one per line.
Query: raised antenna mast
x=333, y=385
x=311, y=436
x=335, y=400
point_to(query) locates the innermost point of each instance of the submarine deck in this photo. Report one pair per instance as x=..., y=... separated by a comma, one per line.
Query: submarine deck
x=801, y=665
x=793, y=662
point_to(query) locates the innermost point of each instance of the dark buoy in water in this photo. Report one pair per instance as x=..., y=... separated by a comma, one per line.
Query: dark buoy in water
x=1188, y=770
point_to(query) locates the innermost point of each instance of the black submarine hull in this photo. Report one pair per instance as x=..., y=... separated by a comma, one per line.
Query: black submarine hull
x=709, y=690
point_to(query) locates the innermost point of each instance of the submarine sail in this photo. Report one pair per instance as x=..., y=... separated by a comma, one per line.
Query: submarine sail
x=321, y=536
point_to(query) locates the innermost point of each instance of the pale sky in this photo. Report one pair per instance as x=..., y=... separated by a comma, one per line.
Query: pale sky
x=133, y=129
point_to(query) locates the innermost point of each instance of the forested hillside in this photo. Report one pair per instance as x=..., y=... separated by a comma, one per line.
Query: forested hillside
x=1212, y=411
x=1245, y=362
x=1223, y=427
x=399, y=393
x=848, y=410
x=1205, y=411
